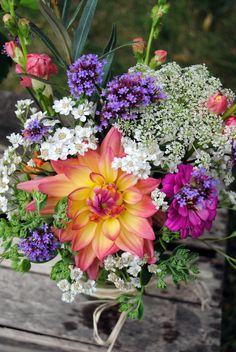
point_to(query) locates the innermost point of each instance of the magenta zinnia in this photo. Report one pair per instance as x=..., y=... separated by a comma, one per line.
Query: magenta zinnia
x=194, y=200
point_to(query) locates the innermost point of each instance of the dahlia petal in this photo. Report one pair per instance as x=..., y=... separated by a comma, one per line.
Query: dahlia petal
x=130, y=242
x=56, y=186
x=203, y=214
x=183, y=210
x=194, y=218
x=80, y=194
x=79, y=175
x=65, y=235
x=168, y=183
x=101, y=244
x=105, y=167
x=90, y=159
x=132, y=196
x=84, y=236
x=93, y=269
x=58, y=165
x=126, y=181
x=113, y=141
x=97, y=178
x=31, y=207
x=147, y=186
x=85, y=258
x=145, y=208
x=137, y=225
x=81, y=220
x=29, y=186
x=111, y=228
x=149, y=250
x=76, y=207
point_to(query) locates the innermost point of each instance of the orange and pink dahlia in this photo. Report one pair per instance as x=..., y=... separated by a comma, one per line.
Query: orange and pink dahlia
x=109, y=209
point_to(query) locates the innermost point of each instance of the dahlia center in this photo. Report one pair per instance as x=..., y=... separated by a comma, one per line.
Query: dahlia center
x=106, y=201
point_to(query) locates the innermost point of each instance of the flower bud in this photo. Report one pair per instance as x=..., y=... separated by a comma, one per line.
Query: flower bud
x=139, y=45
x=160, y=56
x=14, y=51
x=230, y=121
x=217, y=103
x=10, y=24
x=24, y=28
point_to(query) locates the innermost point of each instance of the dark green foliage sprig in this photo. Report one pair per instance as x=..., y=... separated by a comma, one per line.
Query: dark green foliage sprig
x=132, y=305
x=180, y=265
x=60, y=216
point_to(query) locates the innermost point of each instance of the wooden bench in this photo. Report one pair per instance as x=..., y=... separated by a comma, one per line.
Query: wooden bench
x=33, y=318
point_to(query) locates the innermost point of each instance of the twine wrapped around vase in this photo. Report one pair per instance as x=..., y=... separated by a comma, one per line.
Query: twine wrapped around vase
x=107, y=298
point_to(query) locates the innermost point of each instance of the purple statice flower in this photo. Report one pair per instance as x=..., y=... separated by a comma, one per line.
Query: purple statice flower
x=194, y=199
x=35, y=130
x=84, y=75
x=126, y=93
x=40, y=246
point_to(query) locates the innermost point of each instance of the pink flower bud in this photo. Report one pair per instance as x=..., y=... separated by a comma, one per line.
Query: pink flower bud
x=139, y=45
x=230, y=121
x=160, y=56
x=217, y=103
x=24, y=80
x=40, y=65
x=10, y=48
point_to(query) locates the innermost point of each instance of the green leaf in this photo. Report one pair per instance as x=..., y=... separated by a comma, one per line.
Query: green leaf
x=57, y=28
x=145, y=276
x=110, y=55
x=83, y=28
x=49, y=44
x=66, y=9
x=140, y=310
x=74, y=15
x=30, y=4
x=25, y=265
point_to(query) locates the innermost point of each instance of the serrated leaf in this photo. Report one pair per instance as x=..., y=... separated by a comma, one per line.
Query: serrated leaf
x=57, y=28
x=74, y=15
x=49, y=44
x=110, y=55
x=83, y=28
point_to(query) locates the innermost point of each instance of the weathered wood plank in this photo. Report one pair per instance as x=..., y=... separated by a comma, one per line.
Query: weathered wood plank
x=32, y=303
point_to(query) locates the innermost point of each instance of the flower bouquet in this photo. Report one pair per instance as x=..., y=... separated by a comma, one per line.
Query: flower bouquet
x=110, y=174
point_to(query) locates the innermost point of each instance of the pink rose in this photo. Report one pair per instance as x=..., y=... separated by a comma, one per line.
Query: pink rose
x=24, y=80
x=139, y=45
x=40, y=65
x=160, y=56
x=10, y=48
x=217, y=103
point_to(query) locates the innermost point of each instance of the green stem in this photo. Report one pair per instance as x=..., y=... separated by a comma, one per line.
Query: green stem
x=229, y=112
x=149, y=46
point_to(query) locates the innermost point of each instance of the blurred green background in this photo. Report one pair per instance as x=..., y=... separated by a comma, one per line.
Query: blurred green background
x=193, y=32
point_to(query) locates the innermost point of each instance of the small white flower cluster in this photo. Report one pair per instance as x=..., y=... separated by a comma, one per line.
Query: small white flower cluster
x=132, y=263
x=158, y=199
x=8, y=165
x=67, y=106
x=182, y=121
x=138, y=158
x=66, y=141
x=23, y=107
x=153, y=269
x=77, y=286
